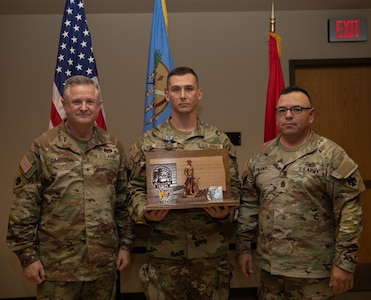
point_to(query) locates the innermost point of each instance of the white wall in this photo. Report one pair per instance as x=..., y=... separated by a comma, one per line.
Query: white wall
x=228, y=50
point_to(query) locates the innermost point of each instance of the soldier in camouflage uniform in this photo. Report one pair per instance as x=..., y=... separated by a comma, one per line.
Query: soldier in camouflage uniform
x=187, y=248
x=301, y=197
x=69, y=224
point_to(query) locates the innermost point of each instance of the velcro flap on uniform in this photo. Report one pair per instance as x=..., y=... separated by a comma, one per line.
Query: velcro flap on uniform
x=344, y=169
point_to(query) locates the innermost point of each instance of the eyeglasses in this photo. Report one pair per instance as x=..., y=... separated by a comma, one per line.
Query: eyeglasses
x=295, y=110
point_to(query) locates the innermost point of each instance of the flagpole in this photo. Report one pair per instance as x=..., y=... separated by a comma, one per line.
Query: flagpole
x=273, y=20
x=275, y=82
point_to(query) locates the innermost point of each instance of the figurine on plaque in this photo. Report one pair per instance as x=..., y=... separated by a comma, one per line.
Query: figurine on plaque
x=188, y=184
x=191, y=188
x=185, y=179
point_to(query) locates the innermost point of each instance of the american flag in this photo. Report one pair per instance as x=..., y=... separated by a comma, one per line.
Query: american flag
x=75, y=57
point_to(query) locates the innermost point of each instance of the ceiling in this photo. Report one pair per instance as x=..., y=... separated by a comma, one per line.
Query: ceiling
x=146, y=6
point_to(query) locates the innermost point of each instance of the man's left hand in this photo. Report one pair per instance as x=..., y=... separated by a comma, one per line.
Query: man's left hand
x=340, y=281
x=123, y=260
x=219, y=212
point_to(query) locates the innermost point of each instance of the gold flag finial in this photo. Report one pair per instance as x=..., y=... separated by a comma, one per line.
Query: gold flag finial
x=273, y=20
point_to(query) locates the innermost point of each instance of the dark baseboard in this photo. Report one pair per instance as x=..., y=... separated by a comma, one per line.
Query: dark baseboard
x=235, y=292
x=362, y=277
x=245, y=293
x=133, y=296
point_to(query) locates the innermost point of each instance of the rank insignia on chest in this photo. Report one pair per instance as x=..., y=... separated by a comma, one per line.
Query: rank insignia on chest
x=169, y=144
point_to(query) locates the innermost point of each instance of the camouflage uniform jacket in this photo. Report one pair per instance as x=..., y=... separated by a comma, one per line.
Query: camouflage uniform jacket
x=70, y=207
x=188, y=233
x=296, y=208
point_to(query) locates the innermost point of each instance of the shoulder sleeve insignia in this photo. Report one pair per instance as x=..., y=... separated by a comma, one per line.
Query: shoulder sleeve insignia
x=17, y=181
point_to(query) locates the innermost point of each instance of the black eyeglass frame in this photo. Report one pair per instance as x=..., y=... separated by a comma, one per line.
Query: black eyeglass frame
x=295, y=110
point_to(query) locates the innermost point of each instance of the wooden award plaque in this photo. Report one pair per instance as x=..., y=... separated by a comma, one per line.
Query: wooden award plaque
x=184, y=179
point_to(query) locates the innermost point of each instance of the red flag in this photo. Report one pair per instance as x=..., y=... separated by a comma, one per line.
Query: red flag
x=75, y=57
x=275, y=86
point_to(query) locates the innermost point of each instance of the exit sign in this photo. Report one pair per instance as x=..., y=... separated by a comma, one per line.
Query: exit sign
x=347, y=29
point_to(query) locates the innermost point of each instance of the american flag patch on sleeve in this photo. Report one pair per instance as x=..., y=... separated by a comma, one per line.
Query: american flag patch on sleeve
x=133, y=150
x=25, y=164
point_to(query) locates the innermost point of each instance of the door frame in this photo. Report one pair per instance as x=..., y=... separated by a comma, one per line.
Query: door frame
x=310, y=63
x=335, y=62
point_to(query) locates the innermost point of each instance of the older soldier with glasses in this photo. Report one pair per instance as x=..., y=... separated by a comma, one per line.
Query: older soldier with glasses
x=301, y=196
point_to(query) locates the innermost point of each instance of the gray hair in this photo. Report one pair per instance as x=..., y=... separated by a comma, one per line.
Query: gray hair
x=80, y=80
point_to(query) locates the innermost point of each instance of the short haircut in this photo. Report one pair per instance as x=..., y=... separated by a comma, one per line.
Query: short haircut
x=80, y=80
x=294, y=88
x=179, y=71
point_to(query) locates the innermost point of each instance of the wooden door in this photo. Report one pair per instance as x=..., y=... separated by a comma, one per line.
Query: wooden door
x=341, y=94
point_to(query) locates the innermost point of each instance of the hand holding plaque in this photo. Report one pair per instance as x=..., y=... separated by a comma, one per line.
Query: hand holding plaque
x=183, y=179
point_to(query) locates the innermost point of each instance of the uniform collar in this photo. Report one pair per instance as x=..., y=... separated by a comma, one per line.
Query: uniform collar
x=64, y=140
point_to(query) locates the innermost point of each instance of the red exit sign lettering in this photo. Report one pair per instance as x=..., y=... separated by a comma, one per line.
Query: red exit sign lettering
x=347, y=29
